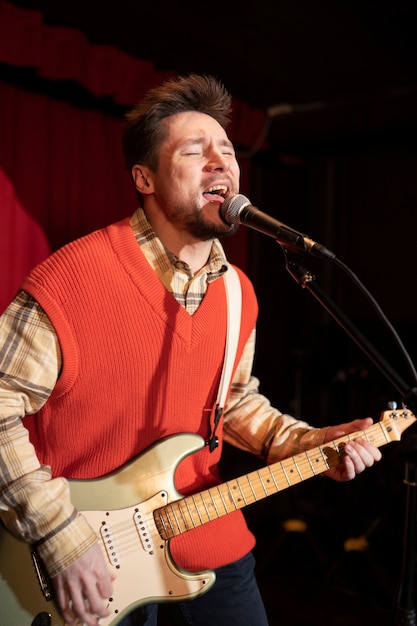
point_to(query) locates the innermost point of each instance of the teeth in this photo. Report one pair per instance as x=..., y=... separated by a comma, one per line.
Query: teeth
x=220, y=188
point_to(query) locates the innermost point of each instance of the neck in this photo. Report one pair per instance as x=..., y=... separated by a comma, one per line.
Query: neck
x=195, y=256
x=187, y=248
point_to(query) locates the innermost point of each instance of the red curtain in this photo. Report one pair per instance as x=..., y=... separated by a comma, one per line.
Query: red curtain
x=61, y=165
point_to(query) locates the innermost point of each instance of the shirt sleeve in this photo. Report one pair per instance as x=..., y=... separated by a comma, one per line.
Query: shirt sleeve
x=33, y=505
x=252, y=424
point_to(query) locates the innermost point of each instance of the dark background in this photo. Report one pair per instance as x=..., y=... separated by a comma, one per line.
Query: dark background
x=338, y=161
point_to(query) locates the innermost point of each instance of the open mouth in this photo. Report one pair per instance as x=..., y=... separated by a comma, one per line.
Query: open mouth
x=216, y=193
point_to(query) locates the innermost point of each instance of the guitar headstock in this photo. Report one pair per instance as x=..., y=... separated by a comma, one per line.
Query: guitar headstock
x=398, y=420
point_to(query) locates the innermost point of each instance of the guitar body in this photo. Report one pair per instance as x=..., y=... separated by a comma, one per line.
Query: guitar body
x=120, y=509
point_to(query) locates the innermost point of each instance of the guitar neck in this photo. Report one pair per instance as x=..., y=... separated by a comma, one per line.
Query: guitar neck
x=192, y=511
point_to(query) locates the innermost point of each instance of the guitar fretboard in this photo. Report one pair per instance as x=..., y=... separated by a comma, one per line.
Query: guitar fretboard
x=192, y=511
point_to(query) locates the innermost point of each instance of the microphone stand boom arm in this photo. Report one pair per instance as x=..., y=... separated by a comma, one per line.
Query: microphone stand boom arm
x=307, y=280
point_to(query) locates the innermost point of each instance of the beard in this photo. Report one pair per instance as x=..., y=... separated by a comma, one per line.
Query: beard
x=202, y=228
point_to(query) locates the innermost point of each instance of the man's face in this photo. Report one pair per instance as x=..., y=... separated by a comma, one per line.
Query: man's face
x=197, y=170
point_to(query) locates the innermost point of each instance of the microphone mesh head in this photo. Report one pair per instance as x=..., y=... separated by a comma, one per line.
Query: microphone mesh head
x=231, y=208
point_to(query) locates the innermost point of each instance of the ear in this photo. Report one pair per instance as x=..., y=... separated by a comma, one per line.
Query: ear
x=142, y=178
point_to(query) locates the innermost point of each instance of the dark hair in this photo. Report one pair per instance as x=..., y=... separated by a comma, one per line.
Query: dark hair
x=144, y=131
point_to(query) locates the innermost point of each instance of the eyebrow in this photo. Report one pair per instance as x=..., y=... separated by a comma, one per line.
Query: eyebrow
x=201, y=140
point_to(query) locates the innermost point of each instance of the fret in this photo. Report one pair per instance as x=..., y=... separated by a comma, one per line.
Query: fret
x=240, y=494
x=262, y=483
x=319, y=460
x=271, y=472
x=220, y=489
x=286, y=476
x=316, y=461
x=385, y=432
x=291, y=476
x=182, y=507
x=231, y=487
x=189, y=514
x=162, y=523
x=368, y=436
x=323, y=457
x=254, y=497
x=297, y=468
x=331, y=453
x=242, y=490
x=172, y=507
x=207, y=517
x=310, y=463
x=213, y=501
x=197, y=510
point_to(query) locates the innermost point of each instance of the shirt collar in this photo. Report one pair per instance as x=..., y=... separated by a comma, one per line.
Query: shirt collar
x=163, y=261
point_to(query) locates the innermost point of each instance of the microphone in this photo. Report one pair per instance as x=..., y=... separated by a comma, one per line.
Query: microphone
x=238, y=210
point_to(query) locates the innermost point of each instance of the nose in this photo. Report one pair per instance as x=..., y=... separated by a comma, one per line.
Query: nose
x=218, y=160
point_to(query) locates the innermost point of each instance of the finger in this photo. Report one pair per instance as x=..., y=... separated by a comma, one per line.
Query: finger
x=373, y=452
x=105, y=588
x=364, y=423
x=85, y=606
x=95, y=601
x=349, y=470
x=65, y=604
x=362, y=456
x=365, y=451
x=333, y=432
x=81, y=608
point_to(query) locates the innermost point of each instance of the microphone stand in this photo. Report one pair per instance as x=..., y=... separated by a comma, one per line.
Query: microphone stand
x=405, y=610
x=308, y=281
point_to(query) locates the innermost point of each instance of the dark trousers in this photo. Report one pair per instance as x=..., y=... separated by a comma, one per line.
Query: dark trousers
x=233, y=600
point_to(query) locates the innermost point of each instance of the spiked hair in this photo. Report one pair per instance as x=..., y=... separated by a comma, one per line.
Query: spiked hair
x=144, y=131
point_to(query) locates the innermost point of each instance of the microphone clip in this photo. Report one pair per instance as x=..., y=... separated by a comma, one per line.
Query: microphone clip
x=301, y=275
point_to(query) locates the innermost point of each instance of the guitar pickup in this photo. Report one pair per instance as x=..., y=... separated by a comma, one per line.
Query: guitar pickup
x=143, y=530
x=110, y=544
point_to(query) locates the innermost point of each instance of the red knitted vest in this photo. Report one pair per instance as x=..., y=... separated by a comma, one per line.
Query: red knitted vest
x=136, y=367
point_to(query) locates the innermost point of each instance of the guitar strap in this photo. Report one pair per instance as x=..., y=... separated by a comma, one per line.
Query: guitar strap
x=234, y=313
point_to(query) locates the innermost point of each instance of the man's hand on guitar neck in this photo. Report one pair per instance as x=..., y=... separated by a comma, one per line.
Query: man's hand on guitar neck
x=358, y=454
x=83, y=587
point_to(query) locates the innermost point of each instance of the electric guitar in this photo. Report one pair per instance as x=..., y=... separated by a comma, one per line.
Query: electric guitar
x=136, y=511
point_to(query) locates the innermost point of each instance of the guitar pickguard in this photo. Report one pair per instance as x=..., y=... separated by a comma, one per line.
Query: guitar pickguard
x=137, y=555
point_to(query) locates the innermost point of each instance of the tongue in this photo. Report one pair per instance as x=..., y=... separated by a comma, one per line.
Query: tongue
x=213, y=197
